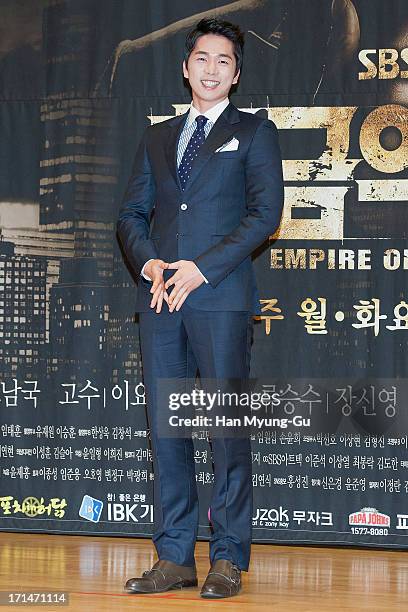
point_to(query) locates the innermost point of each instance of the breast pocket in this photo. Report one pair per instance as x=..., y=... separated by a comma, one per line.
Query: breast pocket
x=227, y=155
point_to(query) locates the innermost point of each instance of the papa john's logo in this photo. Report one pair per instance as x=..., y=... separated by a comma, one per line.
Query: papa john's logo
x=369, y=517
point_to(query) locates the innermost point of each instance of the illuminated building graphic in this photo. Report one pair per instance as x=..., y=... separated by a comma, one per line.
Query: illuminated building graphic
x=22, y=310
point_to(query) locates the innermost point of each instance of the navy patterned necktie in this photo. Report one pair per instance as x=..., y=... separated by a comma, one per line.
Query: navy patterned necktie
x=192, y=149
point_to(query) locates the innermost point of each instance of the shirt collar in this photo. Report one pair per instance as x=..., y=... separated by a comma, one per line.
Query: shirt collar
x=212, y=114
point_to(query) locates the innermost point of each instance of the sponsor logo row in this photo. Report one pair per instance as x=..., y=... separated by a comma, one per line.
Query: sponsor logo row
x=366, y=521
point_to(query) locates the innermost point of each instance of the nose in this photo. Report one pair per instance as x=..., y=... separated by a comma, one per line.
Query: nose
x=211, y=65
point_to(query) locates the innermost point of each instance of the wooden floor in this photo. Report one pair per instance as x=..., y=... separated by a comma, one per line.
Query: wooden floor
x=281, y=578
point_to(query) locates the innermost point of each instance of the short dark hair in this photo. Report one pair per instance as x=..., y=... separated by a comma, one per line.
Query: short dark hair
x=212, y=25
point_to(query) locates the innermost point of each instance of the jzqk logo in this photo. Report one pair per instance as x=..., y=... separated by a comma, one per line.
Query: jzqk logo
x=271, y=517
x=369, y=521
x=281, y=518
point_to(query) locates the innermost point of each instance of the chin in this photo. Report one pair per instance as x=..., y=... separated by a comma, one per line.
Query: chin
x=212, y=95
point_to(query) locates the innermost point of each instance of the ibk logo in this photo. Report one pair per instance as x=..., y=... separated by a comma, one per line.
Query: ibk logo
x=369, y=517
x=402, y=521
x=91, y=508
x=130, y=513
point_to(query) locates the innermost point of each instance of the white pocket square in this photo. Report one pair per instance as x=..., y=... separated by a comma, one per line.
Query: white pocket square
x=231, y=145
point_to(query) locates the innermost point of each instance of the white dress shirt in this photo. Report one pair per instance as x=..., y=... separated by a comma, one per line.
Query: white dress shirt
x=212, y=115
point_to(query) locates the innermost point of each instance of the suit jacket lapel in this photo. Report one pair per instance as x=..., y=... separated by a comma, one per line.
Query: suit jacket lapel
x=223, y=128
x=175, y=128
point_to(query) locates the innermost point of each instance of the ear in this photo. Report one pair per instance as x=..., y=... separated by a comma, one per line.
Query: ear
x=236, y=77
x=185, y=71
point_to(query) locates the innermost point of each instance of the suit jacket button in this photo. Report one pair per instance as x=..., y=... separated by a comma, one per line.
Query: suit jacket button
x=183, y=207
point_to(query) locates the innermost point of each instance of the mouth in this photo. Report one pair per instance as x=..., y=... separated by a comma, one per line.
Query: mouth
x=209, y=84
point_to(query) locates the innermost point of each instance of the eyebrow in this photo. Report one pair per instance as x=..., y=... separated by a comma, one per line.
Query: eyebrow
x=218, y=54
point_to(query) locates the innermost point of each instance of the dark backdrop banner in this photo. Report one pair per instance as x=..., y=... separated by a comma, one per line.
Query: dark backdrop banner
x=80, y=80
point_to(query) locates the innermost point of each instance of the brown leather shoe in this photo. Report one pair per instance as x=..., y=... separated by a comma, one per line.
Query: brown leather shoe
x=223, y=580
x=164, y=576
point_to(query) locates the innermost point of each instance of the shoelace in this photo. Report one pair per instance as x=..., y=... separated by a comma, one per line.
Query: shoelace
x=154, y=569
x=235, y=579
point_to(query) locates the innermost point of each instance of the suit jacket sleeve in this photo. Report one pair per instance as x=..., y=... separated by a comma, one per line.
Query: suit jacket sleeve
x=134, y=216
x=264, y=200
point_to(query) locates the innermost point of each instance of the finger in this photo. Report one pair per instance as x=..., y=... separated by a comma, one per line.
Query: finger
x=159, y=302
x=175, y=291
x=180, y=283
x=174, y=265
x=154, y=286
x=171, y=281
x=178, y=296
x=155, y=297
x=182, y=299
x=157, y=280
x=158, y=283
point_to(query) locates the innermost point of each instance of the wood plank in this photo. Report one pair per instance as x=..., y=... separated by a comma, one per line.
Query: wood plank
x=281, y=578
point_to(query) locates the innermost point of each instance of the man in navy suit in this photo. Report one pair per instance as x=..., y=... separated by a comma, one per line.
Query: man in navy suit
x=214, y=179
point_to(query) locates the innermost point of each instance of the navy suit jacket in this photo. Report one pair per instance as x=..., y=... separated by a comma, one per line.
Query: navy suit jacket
x=231, y=204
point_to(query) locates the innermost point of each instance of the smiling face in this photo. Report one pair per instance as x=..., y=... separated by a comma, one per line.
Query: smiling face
x=211, y=70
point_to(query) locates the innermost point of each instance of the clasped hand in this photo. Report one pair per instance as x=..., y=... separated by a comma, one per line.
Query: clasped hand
x=185, y=280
